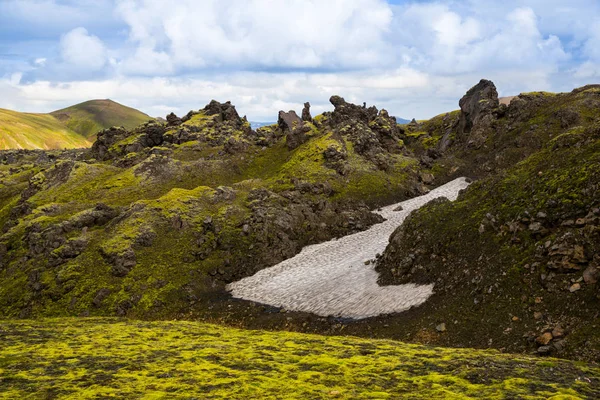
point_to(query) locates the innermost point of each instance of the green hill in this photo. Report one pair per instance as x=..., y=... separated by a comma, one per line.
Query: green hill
x=36, y=131
x=107, y=358
x=92, y=116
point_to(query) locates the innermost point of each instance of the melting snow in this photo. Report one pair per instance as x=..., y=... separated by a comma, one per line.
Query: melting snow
x=331, y=278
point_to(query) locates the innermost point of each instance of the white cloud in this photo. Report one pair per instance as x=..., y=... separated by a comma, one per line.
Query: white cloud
x=415, y=59
x=444, y=42
x=259, y=95
x=82, y=50
x=284, y=33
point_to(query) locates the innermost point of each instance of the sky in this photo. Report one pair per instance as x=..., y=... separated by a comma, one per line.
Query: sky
x=413, y=58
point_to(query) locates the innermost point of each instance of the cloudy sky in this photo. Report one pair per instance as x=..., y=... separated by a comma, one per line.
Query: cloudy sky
x=414, y=58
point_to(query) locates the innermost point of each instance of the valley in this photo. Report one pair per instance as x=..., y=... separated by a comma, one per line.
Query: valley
x=344, y=223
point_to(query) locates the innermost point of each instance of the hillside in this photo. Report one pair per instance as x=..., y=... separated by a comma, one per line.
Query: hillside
x=36, y=131
x=92, y=116
x=156, y=221
x=518, y=253
x=101, y=358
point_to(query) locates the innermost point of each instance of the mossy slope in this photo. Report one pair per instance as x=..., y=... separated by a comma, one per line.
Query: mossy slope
x=89, y=117
x=516, y=255
x=152, y=219
x=36, y=131
x=99, y=358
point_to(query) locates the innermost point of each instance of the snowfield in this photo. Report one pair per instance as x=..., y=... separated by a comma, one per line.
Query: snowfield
x=332, y=279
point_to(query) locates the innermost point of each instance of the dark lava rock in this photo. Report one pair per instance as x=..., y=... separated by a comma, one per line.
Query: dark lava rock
x=344, y=112
x=173, y=120
x=287, y=121
x=104, y=140
x=477, y=105
x=226, y=112
x=306, y=113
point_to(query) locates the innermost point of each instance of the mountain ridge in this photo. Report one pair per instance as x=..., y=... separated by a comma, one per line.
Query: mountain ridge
x=71, y=127
x=89, y=117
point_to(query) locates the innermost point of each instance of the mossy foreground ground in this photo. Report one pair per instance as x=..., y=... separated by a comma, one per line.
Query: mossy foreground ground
x=111, y=358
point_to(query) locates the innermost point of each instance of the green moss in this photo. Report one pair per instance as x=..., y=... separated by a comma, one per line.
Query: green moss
x=539, y=94
x=36, y=131
x=92, y=116
x=91, y=358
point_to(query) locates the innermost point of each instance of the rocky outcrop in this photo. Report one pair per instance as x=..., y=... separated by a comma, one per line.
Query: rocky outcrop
x=288, y=121
x=306, y=117
x=293, y=127
x=476, y=114
x=374, y=134
x=344, y=112
x=173, y=120
x=477, y=104
x=105, y=139
x=225, y=112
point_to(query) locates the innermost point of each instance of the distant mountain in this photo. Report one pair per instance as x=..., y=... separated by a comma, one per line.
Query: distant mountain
x=256, y=125
x=402, y=120
x=36, y=131
x=92, y=116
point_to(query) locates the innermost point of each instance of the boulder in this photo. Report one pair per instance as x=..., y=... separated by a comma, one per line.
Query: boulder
x=291, y=125
x=173, y=120
x=476, y=106
x=225, y=111
x=306, y=113
x=345, y=112
x=591, y=275
x=288, y=121
x=297, y=136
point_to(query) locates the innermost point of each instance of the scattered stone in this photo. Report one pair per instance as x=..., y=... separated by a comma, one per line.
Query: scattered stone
x=515, y=318
x=100, y=296
x=426, y=178
x=574, y=287
x=538, y=315
x=441, y=327
x=591, y=275
x=544, y=349
x=558, y=332
x=535, y=227
x=579, y=254
x=544, y=338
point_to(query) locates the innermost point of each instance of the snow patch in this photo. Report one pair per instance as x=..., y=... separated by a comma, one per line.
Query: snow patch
x=332, y=279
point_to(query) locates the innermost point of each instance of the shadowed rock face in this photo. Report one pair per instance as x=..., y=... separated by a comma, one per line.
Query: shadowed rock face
x=226, y=112
x=287, y=121
x=306, y=113
x=344, y=111
x=173, y=120
x=477, y=104
x=291, y=125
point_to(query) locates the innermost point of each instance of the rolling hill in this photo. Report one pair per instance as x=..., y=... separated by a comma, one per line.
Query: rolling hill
x=71, y=127
x=36, y=131
x=89, y=117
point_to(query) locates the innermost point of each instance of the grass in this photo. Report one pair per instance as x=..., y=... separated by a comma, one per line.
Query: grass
x=112, y=358
x=36, y=131
x=92, y=116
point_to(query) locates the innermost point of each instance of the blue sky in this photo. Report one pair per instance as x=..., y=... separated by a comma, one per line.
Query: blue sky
x=414, y=58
